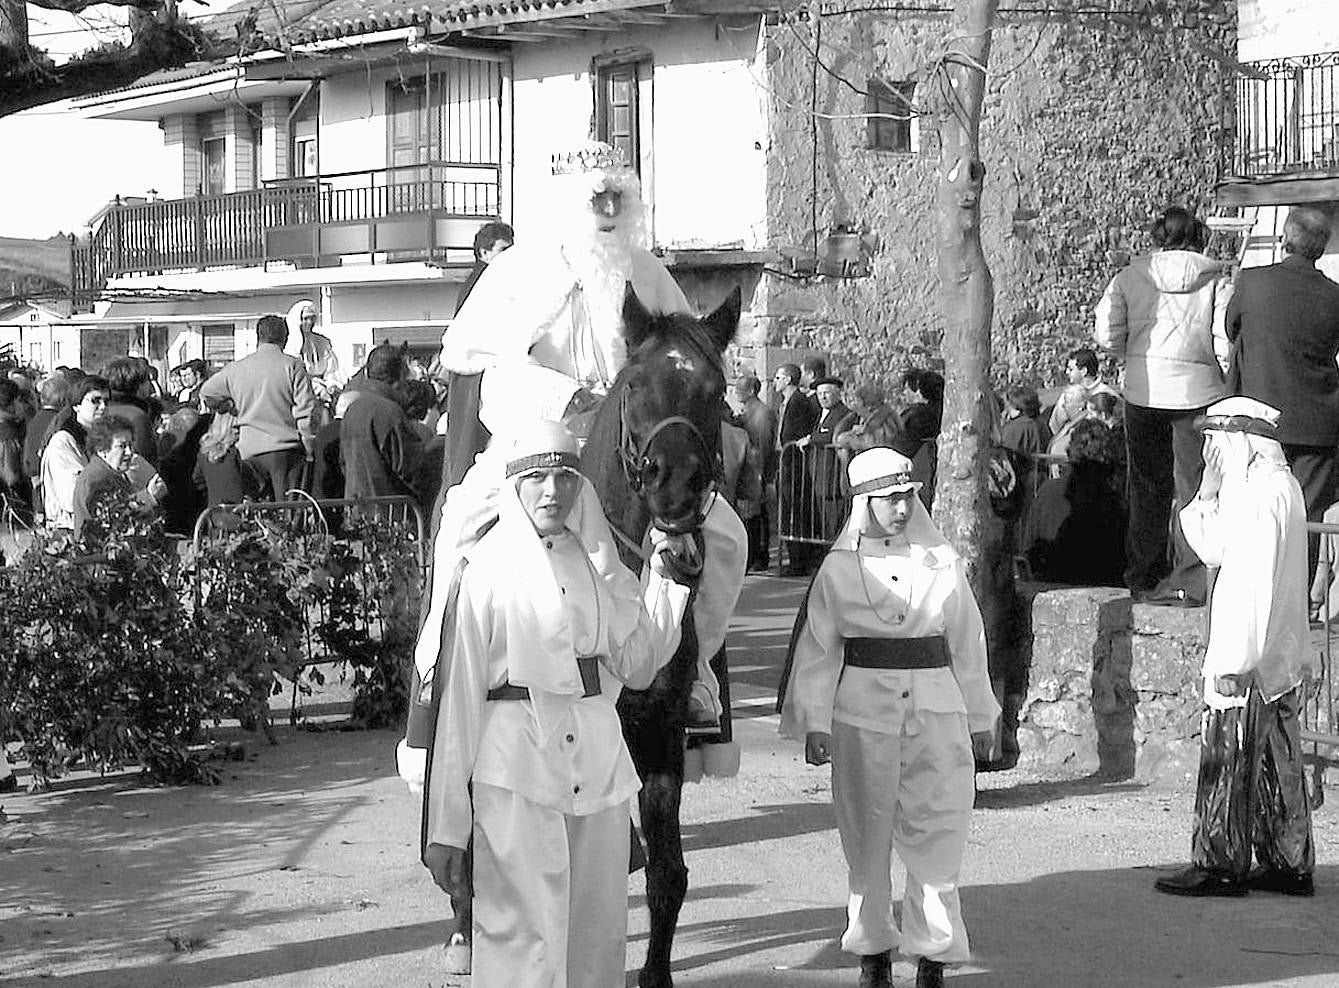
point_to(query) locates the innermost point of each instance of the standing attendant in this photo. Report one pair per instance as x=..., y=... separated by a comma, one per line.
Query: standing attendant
x=888, y=682
x=529, y=755
x=1283, y=321
x=797, y=414
x=1248, y=520
x=1162, y=316
x=760, y=421
x=274, y=402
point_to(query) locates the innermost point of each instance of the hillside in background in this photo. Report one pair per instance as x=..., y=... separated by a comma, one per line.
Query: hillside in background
x=34, y=268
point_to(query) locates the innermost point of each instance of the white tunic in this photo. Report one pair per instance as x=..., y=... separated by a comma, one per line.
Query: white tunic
x=1255, y=532
x=586, y=768
x=879, y=594
x=527, y=307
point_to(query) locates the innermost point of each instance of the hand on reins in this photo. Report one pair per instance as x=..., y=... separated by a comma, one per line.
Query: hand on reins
x=447, y=865
x=676, y=557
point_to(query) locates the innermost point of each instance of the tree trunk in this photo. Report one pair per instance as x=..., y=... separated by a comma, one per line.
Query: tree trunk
x=13, y=30
x=962, y=505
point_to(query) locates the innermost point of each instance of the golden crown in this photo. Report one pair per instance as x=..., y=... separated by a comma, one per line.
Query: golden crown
x=591, y=158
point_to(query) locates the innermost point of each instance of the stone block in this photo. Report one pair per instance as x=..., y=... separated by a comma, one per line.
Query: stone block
x=1096, y=608
x=1163, y=664
x=1180, y=622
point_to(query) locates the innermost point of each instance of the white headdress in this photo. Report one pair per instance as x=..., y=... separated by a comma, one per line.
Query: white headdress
x=878, y=472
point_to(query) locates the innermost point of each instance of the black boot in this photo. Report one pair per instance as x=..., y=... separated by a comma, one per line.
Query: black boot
x=929, y=974
x=876, y=970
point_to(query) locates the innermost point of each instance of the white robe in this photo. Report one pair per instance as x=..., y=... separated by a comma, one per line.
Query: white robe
x=902, y=765
x=1254, y=531
x=552, y=774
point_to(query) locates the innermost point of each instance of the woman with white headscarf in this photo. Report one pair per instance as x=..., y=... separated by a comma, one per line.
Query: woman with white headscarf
x=1249, y=521
x=549, y=626
x=315, y=349
x=887, y=680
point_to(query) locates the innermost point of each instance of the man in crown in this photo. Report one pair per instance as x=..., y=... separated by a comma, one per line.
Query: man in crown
x=1249, y=521
x=886, y=679
x=544, y=327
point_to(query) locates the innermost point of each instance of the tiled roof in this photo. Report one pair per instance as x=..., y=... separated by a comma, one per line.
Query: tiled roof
x=344, y=18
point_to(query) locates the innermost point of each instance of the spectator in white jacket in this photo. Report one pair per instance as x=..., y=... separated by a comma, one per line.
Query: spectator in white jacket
x=1163, y=315
x=64, y=457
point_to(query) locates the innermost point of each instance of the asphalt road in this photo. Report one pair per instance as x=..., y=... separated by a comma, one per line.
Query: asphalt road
x=301, y=871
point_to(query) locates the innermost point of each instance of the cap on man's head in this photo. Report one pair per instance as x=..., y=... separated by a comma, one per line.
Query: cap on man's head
x=546, y=445
x=880, y=471
x=836, y=382
x=1239, y=414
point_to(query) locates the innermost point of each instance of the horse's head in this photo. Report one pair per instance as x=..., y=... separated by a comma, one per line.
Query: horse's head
x=669, y=398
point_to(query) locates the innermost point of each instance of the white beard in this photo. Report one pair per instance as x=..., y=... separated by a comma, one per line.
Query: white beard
x=603, y=267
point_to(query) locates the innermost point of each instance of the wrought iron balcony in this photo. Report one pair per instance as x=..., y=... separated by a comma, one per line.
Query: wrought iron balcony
x=1288, y=117
x=416, y=212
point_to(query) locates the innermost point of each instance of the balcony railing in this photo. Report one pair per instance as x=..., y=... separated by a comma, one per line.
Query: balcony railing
x=416, y=212
x=1288, y=116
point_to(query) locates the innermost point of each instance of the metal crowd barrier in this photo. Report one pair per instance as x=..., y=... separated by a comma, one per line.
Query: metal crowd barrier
x=812, y=496
x=1318, y=721
x=303, y=516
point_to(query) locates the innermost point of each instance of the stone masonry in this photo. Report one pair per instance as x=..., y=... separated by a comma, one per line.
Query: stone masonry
x=1093, y=122
x=1114, y=688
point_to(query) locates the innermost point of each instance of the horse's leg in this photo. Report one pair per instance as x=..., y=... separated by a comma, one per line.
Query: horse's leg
x=460, y=945
x=666, y=873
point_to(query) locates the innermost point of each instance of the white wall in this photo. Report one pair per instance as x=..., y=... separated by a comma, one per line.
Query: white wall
x=1279, y=28
x=702, y=114
x=353, y=121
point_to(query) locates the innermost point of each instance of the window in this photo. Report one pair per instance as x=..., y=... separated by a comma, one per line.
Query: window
x=617, y=109
x=35, y=354
x=359, y=354
x=894, y=99
x=303, y=147
x=212, y=156
x=219, y=343
x=55, y=351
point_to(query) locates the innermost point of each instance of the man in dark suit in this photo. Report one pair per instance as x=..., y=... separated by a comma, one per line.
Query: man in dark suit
x=821, y=455
x=797, y=414
x=1283, y=322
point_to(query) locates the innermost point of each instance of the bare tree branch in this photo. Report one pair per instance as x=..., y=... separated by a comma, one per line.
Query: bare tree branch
x=78, y=6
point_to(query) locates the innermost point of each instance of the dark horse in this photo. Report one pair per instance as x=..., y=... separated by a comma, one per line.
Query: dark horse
x=653, y=457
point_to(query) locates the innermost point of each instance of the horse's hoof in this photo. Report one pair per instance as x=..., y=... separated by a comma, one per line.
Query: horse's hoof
x=457, y=955
x=720, y=761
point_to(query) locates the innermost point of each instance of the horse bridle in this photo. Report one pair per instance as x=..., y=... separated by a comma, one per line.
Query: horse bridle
x=634, y=456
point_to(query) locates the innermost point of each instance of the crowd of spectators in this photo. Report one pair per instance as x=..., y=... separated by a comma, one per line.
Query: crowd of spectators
x=254, y=429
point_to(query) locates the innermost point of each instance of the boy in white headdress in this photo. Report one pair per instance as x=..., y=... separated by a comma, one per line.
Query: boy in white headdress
x=528, y=721
x=315, y=349
x=887, y=679
x=1249, y=521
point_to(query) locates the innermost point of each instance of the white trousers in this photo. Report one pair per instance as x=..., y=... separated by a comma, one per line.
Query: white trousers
x=913, y=792
x=550, y=894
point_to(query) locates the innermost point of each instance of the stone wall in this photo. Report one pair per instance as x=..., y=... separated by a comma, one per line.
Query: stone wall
x=1114, y=688
x=1091, y=125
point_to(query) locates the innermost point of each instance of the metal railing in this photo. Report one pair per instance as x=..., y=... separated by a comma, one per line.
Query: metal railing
x=411, y=212
x=1287, y=116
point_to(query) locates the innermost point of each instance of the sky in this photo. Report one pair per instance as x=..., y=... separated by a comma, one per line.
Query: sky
x=59, y=168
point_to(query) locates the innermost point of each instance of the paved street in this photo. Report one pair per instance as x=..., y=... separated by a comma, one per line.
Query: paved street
x=301, y=871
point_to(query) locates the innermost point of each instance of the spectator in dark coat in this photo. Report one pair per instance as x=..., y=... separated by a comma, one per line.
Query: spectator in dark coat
x=797, y=414
x=923, y=395
x=327, y=471
x=1283, y=323
x=1023, y=431
x=1076, y=528
x=110, y=450
x=14, y=487
x=760, y=422
x=184, y=500
x=127, y=378
x=821, y=454
x=417, y=398
x=378, y=447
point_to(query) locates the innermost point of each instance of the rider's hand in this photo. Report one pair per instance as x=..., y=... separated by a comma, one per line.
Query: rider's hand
x=818, y=747
x=447, y=865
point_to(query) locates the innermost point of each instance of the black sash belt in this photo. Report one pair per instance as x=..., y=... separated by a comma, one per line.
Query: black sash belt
x=587, y=665
x=897, y=653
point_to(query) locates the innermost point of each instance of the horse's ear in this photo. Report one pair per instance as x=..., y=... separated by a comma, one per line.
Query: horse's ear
x=636, y=319
x=724, y=322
